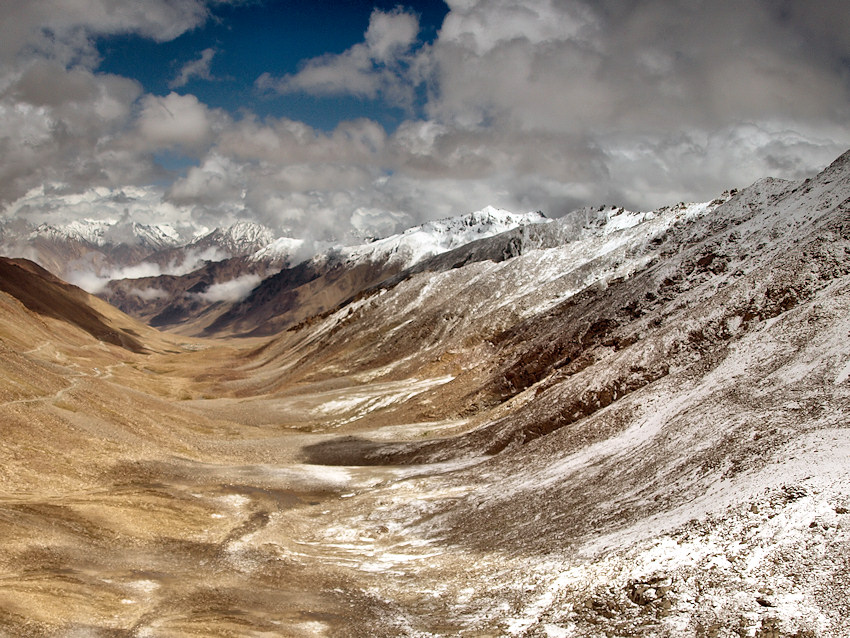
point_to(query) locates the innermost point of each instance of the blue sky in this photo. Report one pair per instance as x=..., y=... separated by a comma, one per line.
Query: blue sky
x=270, y=37
x=335, y=120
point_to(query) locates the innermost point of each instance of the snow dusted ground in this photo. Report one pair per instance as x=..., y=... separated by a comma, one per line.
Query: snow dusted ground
x=662, y=401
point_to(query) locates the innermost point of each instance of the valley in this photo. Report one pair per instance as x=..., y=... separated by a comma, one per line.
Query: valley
x=611, y=424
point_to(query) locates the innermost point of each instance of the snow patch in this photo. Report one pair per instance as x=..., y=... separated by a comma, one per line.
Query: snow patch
x=843, y=375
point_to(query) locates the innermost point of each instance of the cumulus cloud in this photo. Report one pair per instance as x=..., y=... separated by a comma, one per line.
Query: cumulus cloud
x=65, y=30
x=548, y=104
x=633, y=102
x=57, y=203
x=69, y=135
x=175, y=121
x=379, y=66
x=61, y=120
x=215, y=180
x=199, y=68
x=94, y=283
x=628, y=65
x=390, y=34
x=482, y=28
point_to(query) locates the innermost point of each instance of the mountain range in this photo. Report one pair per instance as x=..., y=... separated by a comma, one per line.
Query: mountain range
x=116, y=249
x=264, y=291
x=611, y=423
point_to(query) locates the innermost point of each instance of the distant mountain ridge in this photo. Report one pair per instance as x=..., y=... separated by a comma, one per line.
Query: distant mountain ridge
x=293, y=289
x=110, y=232
x=115, y=249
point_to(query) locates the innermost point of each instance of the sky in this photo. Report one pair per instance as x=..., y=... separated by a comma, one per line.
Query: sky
x=335, y=119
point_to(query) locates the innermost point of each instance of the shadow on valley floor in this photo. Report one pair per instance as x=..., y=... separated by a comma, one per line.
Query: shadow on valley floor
x=354, y=450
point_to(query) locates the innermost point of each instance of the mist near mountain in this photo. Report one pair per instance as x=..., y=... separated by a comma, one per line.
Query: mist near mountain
x=272, y=289
x=614, y=423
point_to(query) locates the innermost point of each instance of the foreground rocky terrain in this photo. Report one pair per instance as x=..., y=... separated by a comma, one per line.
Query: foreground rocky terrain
x=617, y=423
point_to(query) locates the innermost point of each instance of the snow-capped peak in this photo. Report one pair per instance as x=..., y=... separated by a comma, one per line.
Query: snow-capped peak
x=242, y=238
x=435, y=237
x=86, y=230
x=411, y=246
x=280, y=251
x=156, y=236
x=105, y=232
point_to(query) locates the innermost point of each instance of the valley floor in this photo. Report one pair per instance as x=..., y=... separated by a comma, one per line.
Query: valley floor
x=229, y=530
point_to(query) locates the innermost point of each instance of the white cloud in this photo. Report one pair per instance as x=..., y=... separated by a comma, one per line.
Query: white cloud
x=231, y=291
x=543, y=104
x=215, y=180
x=199, y=68
x=180, y=121
x=64, y=136
x=193, y=260
x=93, y=282
x=590, y=67
x=390, y=34
x=379, y=66
x=480, y=27
x=548, y=104
x=351, y=73
x=60, y=203
x=60, y=121
x=63, y=29
x=654, y=171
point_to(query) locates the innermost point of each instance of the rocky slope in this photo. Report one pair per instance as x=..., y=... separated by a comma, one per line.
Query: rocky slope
x=652, y=399
x=46, y=295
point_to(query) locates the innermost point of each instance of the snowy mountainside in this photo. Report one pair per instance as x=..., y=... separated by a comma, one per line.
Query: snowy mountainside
x=212, y=269
x=317, y=285
x=89, y=248
x=236, y=241
x=240, y=239
x=613, y=424
x=436, y=237
x=648, y=420
x=97, y=251
x=586, y=246
x=414, y=244
x=294, y=289
x=278, y=252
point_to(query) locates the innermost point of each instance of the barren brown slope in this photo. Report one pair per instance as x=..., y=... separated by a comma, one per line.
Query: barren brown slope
x=280, y=301
x=45, y=294
x=177, y=302
x=299, y=293
x=122, y=510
